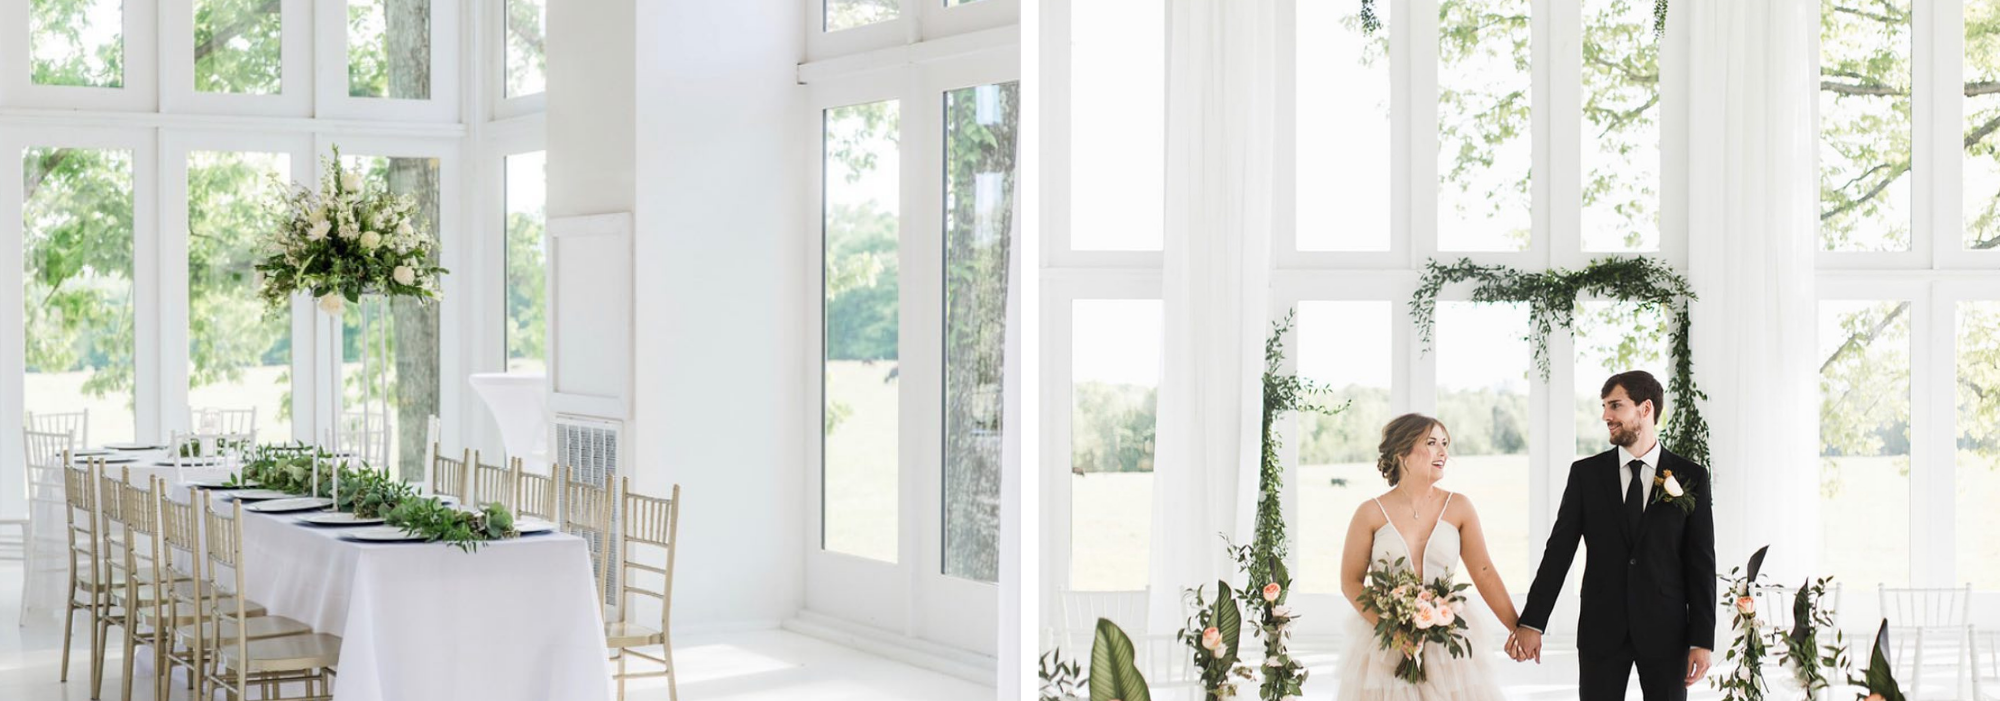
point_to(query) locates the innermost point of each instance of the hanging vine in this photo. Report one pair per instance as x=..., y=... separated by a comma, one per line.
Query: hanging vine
x=1551, y=298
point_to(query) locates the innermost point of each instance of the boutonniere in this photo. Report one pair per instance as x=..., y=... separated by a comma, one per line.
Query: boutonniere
x=1668, y=489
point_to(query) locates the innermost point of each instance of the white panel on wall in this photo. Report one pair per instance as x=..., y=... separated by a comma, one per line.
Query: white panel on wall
x=590, y=314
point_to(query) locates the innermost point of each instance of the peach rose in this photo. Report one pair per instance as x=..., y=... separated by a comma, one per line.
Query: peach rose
x=1445, y=615
x=1746, y=605
x=1211, y=639
x=1426, y=595
x=1424, y=618
x=1271, y=592
x=1876, y=697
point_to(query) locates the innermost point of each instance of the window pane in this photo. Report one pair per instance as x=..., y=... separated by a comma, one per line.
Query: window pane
x=1978, y=456
x=1346, y=346
x=77, y=42
x=1116, y=347
x=401, y=342
x=848, y=14
x=1982, y=118
x=527, y=305
x=1118, y=125
x=1864, y=122
x=979, y=231
x=389, y=49
x=238, y=47
x=980, y=124
x=1614, y=337
x=1482, y=398
x=1483, y=145
x=1342, y=122
x=861, y=461
x=239, y=354
x=77, y=226
x=527, y=65
x=1621, y=130
x=1864, y=435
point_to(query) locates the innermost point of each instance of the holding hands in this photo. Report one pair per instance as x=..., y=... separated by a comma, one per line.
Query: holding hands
x=1525, y=644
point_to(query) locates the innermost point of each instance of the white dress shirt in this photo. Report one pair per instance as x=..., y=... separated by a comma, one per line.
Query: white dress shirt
x=1652, y=460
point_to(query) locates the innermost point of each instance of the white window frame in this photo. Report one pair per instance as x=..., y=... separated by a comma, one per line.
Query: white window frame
x=910, y=597
x=176, y=146
x=140, y=89
x=502, y=140
x=918, y=22
x=330, y=70
x=177, y=69
x=493, y=52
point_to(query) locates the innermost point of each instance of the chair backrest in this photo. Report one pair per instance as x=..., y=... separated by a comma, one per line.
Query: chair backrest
x=587, y=514
x=179, y=541
x=242, y=422
x=140, y=547
x=648, y=533
x=224, y=540
x=490, y=484
x=366, y=434
x=80, y=493
x=75, y=423
x=1774, y=604
x=44, y=456
x=1079, y=611
x=536, y=494
x=1926, y=607
x=448, y=475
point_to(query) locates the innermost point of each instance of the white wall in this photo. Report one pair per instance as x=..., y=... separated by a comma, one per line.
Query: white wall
x=721, y=296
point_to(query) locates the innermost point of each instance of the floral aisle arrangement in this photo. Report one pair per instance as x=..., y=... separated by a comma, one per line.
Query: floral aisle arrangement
x=1877, y=680
x=1411, y=613
x=343, y=240
x=1114, y=671
x=1214, y=636
x=1747, y=650
x=1265, y=610
x=1803, y=655
x=372, y=493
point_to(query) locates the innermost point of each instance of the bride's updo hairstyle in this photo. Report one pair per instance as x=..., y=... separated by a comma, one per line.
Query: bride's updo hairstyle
x=1398, y=438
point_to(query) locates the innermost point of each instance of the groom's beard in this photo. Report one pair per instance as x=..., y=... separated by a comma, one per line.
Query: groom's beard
x=1622, y=437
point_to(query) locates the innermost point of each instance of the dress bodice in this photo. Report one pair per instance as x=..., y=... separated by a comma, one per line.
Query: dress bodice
x=1440, y=555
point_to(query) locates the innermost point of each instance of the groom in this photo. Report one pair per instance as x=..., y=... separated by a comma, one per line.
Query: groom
x=1649, y=575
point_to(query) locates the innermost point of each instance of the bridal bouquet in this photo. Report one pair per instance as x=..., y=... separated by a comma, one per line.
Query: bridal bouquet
x=1412, y=612
x=346, y=239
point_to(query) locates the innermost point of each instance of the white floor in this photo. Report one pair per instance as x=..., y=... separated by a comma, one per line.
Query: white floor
x=766, y=665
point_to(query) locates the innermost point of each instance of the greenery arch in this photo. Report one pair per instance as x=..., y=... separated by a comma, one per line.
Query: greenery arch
x=1551, y=297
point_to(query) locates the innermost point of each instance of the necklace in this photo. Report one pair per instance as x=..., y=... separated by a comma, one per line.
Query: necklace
x=1417, y=514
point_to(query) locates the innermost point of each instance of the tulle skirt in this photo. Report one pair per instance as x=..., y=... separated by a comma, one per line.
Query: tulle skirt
x=1368, y=673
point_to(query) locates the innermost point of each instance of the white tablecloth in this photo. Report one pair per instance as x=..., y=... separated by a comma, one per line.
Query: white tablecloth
x=515, y=620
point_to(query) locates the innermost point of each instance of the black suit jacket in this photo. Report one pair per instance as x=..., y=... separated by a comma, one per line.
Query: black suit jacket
x=1656, y=585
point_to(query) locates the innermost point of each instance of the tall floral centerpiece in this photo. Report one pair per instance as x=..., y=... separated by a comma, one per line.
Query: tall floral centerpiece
x=342, y=242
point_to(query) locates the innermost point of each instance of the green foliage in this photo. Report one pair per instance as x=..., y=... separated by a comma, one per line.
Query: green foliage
x=1217, y=667
x=1879, y=678
x=861, y=283
x=464, y=530
x=78, y=239
x=346, y=239
x=1802, y=653
x=1750, y=644
x=1283, y=393
x=1551, y=298
x=527, y=308
x=58, y=52
x=1347, y=436
x=1114, y=673
x=238, y=46
x=1865, y=124
x=1113, y=427
x=1061, y=679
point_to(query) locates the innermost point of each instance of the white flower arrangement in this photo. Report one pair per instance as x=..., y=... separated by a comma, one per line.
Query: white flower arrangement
x=343, y=240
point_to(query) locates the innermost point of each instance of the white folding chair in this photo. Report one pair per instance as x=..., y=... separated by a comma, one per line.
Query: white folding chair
x=229, y=421
x=366, y=435
x=74, y=423
x=1775, y=603
x=1921, y=619
x=47, y=517
x=1161, y=657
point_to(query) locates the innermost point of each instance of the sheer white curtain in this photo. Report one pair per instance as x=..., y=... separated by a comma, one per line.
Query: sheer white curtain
x=1747, y=74
x=1220, y=77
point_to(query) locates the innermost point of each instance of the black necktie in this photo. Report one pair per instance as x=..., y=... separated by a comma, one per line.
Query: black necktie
x=1633, y=507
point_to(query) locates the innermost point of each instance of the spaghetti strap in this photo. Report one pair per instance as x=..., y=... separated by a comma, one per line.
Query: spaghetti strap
x=1447, y=507
x=1385, y=510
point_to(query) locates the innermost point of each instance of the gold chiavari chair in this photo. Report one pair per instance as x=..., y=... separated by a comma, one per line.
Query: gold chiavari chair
x=648, y=525
x=449, y=476
x=87, y=578
x=178, y=557
x=587, y=513
x=136, y=606
x=490, y=484
x=536, y=495
x=304, y=657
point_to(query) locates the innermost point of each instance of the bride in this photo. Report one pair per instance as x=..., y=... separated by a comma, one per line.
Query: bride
x=1436, y=530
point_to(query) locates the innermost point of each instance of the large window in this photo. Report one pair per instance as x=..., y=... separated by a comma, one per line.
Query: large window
x=239, y=354
x=527, y=60
x=1115, y=357
x=390, y=352
x=1483, y=368
x=862, y=399
x=979, y=131
x=1484, y=157
x=1976, y=438
x=389, y=49
x=1346, y=347
x=1865, y=146
x=238, y=47
x=77, y=247
x=527, y=269
x=1612, y=338
x=1864, y=359
x=1343, y=129
x=77, y=43
x=1621, y=135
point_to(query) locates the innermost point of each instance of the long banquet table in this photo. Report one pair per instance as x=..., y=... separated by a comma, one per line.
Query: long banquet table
x=515, y=620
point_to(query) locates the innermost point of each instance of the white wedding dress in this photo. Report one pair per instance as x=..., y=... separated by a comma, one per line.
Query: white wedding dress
x=1368, y=673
